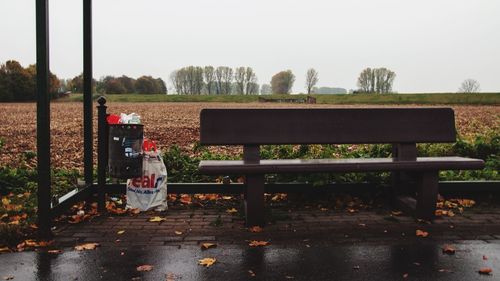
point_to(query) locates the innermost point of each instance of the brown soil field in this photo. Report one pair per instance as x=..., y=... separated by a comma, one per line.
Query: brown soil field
x=166, y=123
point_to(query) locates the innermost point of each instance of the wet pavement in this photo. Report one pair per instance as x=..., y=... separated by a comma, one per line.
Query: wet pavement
x=305, y=244
x=318, y=260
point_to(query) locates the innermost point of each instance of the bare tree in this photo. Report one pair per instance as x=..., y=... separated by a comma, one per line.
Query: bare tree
x=174, y=77
x=376, y=80
x=311, y=80
x=223, y=80
x=469, y=86
x=239, y=77
x=209, y=75
x=251, y=86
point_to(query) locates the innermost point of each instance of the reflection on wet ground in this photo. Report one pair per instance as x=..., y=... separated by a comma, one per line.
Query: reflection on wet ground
x=300, y=261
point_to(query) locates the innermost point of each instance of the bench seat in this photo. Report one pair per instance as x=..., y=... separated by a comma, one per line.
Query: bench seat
x=338, y=165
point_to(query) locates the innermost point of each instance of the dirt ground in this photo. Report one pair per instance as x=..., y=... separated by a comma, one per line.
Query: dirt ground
x=167, y=123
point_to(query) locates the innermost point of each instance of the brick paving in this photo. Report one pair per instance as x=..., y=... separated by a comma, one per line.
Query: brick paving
x=289, y=226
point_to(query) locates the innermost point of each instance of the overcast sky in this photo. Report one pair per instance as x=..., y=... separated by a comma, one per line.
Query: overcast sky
x=432, y=45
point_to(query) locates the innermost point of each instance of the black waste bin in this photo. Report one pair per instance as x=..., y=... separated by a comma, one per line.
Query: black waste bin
x=125, y=150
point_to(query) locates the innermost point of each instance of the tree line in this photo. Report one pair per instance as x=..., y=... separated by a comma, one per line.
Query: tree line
x=221, y=80
x=18, y=83
x=117, y=85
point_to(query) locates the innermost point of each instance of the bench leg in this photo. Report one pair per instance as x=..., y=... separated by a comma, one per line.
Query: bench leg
x=427, y=189
x=254, y=200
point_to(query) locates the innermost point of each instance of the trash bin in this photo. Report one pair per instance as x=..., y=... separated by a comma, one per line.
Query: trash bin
x=125, y=150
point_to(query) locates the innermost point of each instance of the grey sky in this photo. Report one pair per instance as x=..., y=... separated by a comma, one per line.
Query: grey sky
x=432, y=45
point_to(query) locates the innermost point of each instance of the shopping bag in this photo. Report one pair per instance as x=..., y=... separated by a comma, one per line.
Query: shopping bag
x=149, y=191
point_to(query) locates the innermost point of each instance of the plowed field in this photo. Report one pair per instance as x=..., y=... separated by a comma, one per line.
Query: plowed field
x=167, y=123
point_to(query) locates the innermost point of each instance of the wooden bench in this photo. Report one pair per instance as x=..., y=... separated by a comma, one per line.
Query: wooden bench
x=401, y=127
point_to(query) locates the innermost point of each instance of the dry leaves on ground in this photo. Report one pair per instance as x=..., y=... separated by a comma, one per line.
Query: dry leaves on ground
x=30, y=243
x=255, y=229
x=485, y=270
x=4, y=250
x=55, y=252
x=87, y=246
x=145, y=267
x=185, y=199
x=231, y=211
x=421, y=233
x=156, y=219
x=207, y=262
x=396, y=213
x=206, y=246
x=255, y=243
x=447, y=249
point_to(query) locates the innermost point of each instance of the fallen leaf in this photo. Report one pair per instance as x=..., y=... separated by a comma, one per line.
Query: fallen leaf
x=4, y=250
x=362, y=224
x=170, y=277
x=255, y=243
x=134, y=211
x=255, y=229
x=421, y=233
x=251, y=273
x=351, y=210
x=185, y=199
x=207, y=262
x=227, y=197
x=178, y=232
x=10, y=277
x=323, y=209
x=5, y=201
x=231, y=211
x=145, y=267
x=54, y=251
x=444, y=270
x=485, y=270
x=396, y=213
x=405, y=275
x=447, y=249
x=156, y=219
x=87, y=246
x=120, y=232
x=356, y=267
x=206, y=246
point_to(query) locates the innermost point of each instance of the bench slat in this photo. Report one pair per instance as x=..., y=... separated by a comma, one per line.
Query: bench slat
x=326, y=126
x=338, y=165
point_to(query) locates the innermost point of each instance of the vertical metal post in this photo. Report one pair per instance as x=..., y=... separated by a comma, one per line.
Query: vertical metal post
x=102, y=155
x=88, y=139
x=43, y=118
x=254, y=195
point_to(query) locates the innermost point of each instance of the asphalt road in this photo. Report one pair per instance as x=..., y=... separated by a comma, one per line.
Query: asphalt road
x=304, y=261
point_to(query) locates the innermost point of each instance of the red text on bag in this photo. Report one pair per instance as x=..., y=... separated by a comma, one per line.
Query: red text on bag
x=144, y=182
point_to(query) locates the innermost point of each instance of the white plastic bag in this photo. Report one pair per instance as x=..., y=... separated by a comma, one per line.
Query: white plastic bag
x=149, y=191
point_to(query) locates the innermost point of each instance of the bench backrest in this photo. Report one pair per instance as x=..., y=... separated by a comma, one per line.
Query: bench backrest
x=326, y=126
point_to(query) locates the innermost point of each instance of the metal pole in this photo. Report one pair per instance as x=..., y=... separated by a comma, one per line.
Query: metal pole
x=102, y=156
x=43, y=119
x=88, y=139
